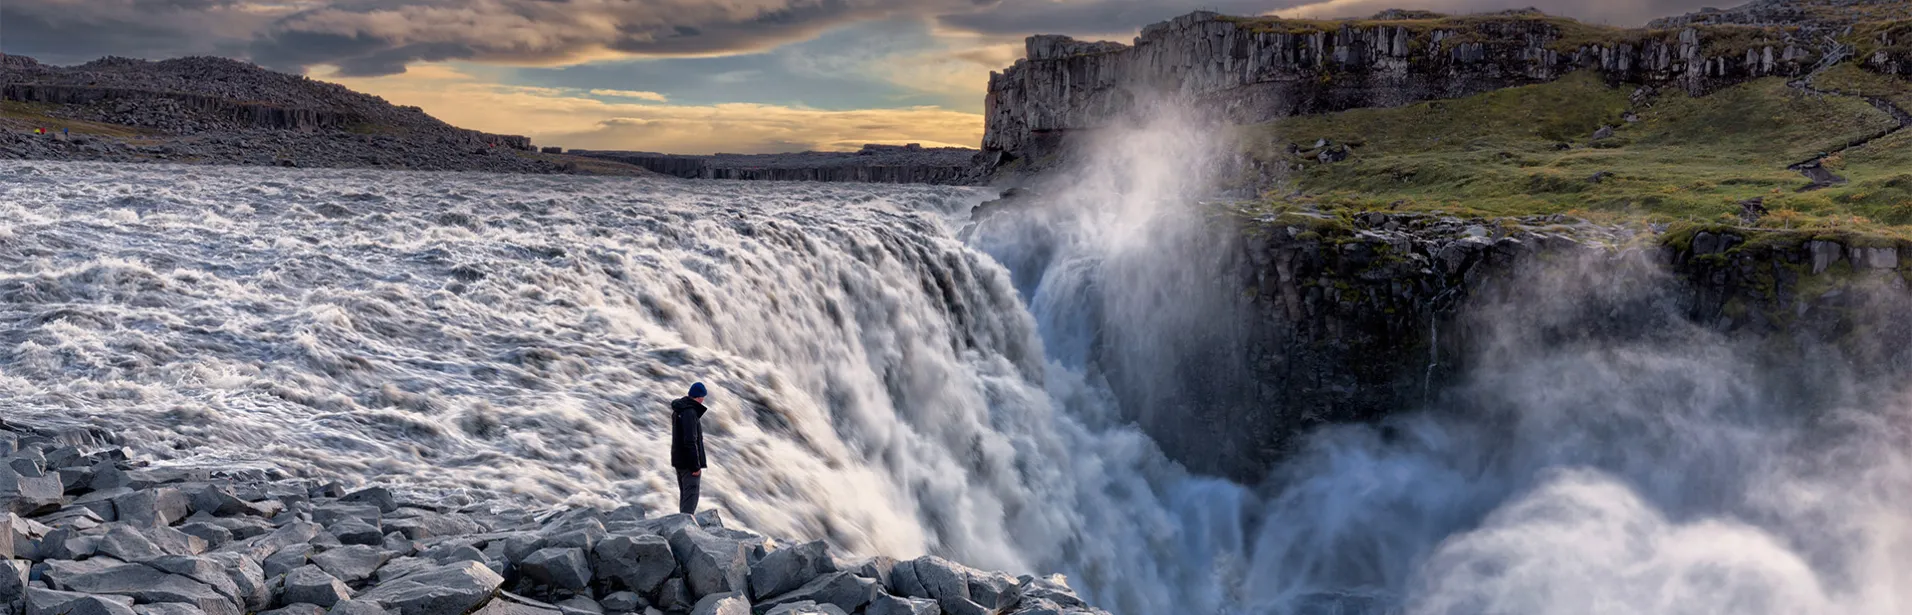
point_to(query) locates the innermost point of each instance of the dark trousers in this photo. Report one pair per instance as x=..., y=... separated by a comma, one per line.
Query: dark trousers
x=687, y=489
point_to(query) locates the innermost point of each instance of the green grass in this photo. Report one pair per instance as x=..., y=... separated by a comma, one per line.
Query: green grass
x=27, y=116
x=1689, y=160
x=1848, y=78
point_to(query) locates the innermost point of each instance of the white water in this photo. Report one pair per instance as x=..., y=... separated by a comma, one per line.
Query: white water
x=877, y=383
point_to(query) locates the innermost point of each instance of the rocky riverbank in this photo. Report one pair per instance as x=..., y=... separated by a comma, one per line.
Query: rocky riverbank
x=88, y=529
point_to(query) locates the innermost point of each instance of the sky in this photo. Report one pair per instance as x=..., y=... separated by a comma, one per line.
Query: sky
x=680, y=76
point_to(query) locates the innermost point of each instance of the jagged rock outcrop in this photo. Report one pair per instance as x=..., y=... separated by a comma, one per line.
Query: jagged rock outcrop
x=889, y=164
x=439, y=557
x=1253, y=70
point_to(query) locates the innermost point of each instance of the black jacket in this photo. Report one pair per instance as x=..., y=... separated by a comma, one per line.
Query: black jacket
x=687, y=435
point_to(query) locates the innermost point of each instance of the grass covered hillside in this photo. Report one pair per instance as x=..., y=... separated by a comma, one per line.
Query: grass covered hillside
x=1582, y=147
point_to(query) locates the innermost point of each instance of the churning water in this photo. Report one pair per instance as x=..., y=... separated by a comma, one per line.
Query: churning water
x=881, y=384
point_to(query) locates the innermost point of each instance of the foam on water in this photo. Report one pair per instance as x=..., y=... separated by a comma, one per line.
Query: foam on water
x=880, y=384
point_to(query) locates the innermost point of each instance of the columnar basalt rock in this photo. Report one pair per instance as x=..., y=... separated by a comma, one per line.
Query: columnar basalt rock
x=1253, y=70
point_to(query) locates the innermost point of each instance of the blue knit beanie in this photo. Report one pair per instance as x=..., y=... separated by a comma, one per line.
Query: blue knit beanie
x=697, y=390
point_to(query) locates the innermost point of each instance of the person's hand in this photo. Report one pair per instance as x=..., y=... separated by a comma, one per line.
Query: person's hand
x=697, y=473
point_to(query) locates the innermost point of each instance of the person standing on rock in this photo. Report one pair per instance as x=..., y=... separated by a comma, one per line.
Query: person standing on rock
x=687, y=446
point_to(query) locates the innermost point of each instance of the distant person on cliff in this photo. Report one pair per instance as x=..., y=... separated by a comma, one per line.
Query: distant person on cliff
x=687, y=446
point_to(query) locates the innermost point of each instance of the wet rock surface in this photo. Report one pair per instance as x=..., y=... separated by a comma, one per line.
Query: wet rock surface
x=463, y=559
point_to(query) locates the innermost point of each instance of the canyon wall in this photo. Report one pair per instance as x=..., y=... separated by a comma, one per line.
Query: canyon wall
x=1355, y=320
x=1254, y=70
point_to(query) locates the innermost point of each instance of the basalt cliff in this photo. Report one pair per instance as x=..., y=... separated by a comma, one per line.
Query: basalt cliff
x=1406, y=176
x=1252, y=70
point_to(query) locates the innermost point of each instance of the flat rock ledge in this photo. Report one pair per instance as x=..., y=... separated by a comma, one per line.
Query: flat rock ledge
x=86, y=529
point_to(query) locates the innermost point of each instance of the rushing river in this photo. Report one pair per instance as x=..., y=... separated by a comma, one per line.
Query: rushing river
x=881, y=383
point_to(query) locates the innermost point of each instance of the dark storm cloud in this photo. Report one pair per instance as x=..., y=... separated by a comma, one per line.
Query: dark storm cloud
x=378, y=37
x=67, y=31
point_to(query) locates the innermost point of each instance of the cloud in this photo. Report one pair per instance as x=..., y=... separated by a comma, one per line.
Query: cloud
x=651, y=96
x=71, y=31
x=382, y=37
x=558, y=116
x=1094, y=17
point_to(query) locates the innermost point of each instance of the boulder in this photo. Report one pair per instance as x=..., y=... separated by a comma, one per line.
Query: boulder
x=1053, y=591
x=30, y=495
x=993, y=590
x=9, y=539
x=581, y=534
x=356, y=532
x=247, y=577
x=563, y=567
x=886, y=604
x=156, y=507
x=66, y=544
x=453, y=589
x=935, y=578
x=711, y=564
x=331, y=514
x=398, y=544
x=877, y=568
x=147, y=584
x=357, y=607
x=214, y=535
x=78, y=518
x=726, y=603
x=287, y=559
x=784, y=570
x=580, y=605
x=263, y=545
x=297, y=609
x=419, y=524
x=845, y=590
x=128, y=544
x=56, y=572
x=674, y=595
x=14, y=574
x=511, y=604
x=215, y=500
x=167, y=608
x=41, y=601
x=312, y=585
x=402, y=566
x=351, y=564
x=805, y=608
x=623, y=602
x=376, y=496
x=241, y=527
x=325, y=540
x=637, y=563
x=202, y=569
